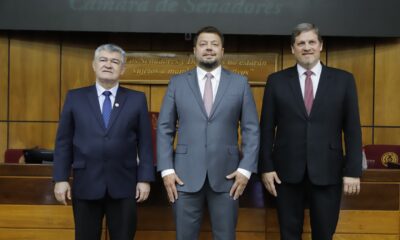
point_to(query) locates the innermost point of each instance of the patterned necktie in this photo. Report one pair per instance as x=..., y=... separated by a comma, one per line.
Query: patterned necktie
x=106, y=108
x=308, y=92
x=208, y=94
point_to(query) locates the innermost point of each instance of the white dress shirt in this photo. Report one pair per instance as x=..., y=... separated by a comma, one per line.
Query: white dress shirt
x=314, y=77
x=101, y=97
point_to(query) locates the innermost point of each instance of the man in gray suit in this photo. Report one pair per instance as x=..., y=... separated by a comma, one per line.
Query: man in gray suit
x=205, y=106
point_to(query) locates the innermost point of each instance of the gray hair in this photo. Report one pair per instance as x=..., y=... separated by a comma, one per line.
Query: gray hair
x=109, y=47
x=304, y=27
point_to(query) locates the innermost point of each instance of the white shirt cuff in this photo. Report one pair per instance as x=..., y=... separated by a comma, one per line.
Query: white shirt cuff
x=241, y=170
x=244, y=172
x=167, y=172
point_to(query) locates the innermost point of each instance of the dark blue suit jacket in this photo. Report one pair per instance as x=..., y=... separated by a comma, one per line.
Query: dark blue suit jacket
x=104, y=159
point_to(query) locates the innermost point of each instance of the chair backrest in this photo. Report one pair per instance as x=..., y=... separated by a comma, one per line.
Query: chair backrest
x=14, y=156
x=378, y=155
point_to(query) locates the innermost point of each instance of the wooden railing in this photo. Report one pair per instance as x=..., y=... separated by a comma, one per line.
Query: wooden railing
x=28, y=210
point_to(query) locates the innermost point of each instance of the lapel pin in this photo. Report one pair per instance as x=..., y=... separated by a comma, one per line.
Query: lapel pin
x=116, y=104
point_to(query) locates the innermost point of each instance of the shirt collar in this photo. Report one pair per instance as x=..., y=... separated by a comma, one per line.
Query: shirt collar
x=316, y=69
x=100, y=90
x=201, y=73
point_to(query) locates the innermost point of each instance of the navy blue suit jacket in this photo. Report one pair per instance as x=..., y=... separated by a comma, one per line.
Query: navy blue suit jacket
x=104, y=159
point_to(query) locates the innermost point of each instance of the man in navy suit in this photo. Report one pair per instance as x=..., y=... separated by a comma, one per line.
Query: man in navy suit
x=306, y=110
x=103, y=130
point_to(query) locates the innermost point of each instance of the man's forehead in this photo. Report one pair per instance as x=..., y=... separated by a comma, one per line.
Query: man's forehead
x=209, y=37
x=105, y=53
x=306, y=35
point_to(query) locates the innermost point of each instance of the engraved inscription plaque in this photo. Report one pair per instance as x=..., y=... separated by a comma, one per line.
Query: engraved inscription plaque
x=158, y=67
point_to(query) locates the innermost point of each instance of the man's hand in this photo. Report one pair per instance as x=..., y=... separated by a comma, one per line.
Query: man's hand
x=239, y=185
x=269, y=179
x=62, y=189
x=170, y=182
x=142, y=191
x=351, y=186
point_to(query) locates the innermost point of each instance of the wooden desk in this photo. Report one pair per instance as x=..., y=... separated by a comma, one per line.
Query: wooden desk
x=372, y=215
x=29, y=211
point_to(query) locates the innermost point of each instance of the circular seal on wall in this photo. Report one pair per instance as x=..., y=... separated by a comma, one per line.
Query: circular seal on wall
x=389, y=157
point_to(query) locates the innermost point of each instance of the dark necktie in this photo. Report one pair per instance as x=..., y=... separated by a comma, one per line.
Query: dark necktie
x=308, y=92
x=208, y=94
x=106, y=108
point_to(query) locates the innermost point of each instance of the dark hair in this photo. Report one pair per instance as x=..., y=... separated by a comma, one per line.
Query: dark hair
x=304, y=27
x=208, y=29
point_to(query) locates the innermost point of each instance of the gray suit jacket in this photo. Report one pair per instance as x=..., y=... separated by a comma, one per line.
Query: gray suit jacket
x=207, y=146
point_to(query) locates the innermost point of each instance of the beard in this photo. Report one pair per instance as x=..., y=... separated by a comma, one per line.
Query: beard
x=208, y=65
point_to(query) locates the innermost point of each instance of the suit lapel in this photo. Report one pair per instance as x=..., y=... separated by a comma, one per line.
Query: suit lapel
x=321, y=90
x=194, y=86
x=118, y=105
x=222, y=87
x=94, y=105
x=294, y=83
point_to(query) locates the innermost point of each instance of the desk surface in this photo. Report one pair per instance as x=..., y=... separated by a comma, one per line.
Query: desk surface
x=32, y=184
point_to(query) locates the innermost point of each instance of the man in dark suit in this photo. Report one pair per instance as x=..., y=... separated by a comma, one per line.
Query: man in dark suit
x=306, y=108
x=208, y=103
x=104, y=136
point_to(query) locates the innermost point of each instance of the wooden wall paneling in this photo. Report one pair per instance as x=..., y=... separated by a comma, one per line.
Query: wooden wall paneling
x=307, y=236
x=36, y=234
x=288, y=59
x=387, y=84
x=171, y=42
x=155, y=235
x=32, y=170
x=4, y=47
x=350, y=221
x=27, y=190
x=3, y=140
x=387, y=136
x=258, y=93
x=141, y=88
x=157, y=95
x=366, y=237
x=29, y=135
x=36, y=216
x=356, y=56
x=239, y=236
x=367, y=135
x=34, y=77
x=39, y=234
x=76, y=70
x=371, y=195
x=368, y=222
x=170, y=235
